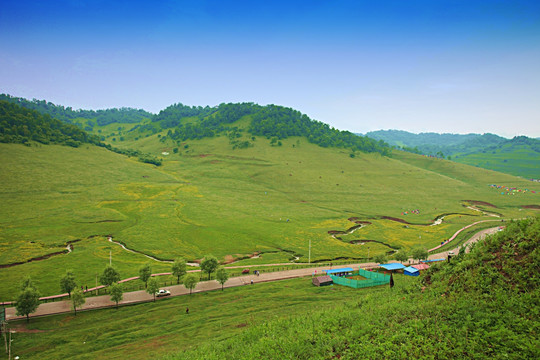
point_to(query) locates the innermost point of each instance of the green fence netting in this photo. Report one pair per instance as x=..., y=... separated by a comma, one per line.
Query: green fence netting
x=372, y=279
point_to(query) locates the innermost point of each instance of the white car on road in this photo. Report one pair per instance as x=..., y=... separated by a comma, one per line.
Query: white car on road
x=163, y=292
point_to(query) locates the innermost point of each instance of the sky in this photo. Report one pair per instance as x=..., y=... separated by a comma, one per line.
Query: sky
x=420, y=66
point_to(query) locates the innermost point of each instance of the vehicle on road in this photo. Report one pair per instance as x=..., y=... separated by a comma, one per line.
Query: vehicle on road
x=163, y=292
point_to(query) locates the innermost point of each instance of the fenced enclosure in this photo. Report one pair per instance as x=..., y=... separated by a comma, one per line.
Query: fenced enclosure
x=372, y=279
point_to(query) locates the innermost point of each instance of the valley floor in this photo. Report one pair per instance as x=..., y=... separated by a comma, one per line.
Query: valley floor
x=99, y=302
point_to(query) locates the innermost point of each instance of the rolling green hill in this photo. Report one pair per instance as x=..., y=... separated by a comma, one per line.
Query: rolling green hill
x=241, y=122
x=519, y=156
x=270, y=198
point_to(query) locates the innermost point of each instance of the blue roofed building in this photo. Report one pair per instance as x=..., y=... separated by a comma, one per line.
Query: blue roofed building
x=339, y=272
x=411, y=271
x=392, y=266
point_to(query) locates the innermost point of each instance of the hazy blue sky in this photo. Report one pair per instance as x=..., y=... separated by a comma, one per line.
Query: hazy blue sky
x=442, y=66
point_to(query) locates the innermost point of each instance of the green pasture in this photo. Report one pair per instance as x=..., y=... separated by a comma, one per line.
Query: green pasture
x=519, y=160
x=87, y=261
x=208, y=198
x=153, y=329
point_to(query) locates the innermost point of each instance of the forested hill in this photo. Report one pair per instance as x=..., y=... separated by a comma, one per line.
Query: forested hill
x=67, y=114
x=271, y=121
x=21, y=125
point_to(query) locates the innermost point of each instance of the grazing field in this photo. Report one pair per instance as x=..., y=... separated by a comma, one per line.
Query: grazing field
x=517, y=160
x=153, y=329
x=265, y=201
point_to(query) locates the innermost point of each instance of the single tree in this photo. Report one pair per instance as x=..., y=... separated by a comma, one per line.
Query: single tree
x=144, y=274
x=209, y=264
x=117, y=293
x=27, y=302
x=222, y=276
x=153, y=287
x=77, y=299
x=419, y=254
x=380, y=259
x=67, y=282
x=190, y=282
x=109, y=276
x=402, y=256
x=179, y=269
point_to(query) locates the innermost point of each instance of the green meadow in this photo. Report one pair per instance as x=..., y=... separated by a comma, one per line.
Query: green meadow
x=519, y=160
x=214, y=316
x=208, y=198
x=480, y=304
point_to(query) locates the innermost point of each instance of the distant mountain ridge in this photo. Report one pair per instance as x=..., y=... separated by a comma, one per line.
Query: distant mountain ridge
x=518, y=156
x=433, y=143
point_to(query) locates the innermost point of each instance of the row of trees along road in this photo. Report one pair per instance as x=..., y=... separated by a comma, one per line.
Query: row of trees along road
x=28, y=299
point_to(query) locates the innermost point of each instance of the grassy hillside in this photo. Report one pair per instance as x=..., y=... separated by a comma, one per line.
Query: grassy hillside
x=481, y=305
x=53, y=195
x=212, y=194
x=516, y=157
x=519, y=156
x=208, y=198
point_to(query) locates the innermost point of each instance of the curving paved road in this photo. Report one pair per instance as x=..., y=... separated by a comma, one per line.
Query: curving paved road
x=98, y=302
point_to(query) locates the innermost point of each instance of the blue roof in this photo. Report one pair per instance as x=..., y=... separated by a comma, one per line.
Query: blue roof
x=333, y=271
x=392, y=266
x=433, y=260
x=411, y=269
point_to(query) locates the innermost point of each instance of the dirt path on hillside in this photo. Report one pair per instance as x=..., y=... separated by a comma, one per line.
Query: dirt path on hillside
x=476, y=237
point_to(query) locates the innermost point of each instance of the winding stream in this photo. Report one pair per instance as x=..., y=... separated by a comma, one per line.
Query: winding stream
x=110, y=239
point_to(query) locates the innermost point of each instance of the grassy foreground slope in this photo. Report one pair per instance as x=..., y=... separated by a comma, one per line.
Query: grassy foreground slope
x=485, y=304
